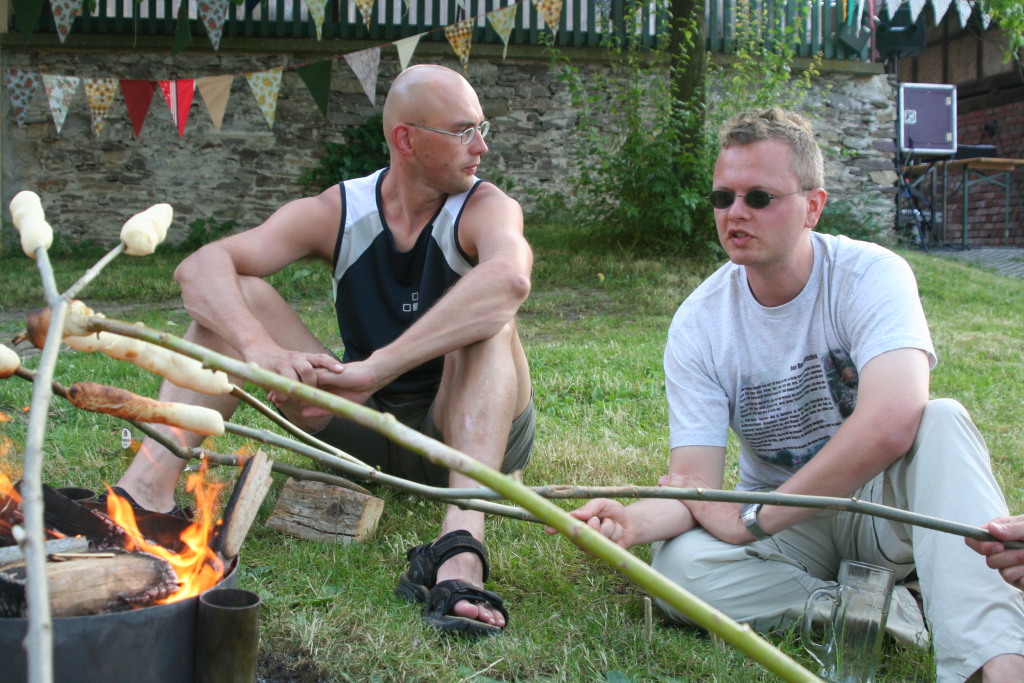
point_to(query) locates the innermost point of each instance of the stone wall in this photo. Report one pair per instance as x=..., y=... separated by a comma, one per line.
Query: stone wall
x=90, y=185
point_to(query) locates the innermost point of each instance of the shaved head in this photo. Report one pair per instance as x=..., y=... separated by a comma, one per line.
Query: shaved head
x=423, y=93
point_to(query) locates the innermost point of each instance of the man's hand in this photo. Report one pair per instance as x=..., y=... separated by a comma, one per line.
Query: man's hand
x=721, y=520
x=355, y=382
x=608, y=517
x=1010, y=563
x=295, y=365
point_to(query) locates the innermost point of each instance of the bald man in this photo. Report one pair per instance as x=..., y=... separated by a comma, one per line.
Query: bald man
x=430, y=267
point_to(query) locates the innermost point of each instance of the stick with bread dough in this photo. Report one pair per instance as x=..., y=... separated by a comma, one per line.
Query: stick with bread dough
x=100, y=398
x=30, y=221
x=178, y=369
x=144, y=231
x=9, y=361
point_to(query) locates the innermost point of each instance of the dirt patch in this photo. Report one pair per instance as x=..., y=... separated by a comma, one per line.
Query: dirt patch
x=288, y=666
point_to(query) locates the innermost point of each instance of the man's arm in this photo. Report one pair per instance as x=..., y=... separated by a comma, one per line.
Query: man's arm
x=892, y=395
x=475, y=308
x=655, y=519
x=211, y=278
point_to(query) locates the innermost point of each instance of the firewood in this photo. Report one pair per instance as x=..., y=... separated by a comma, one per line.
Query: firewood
x=246, y=498
x=320, y=512
x=93, y=584
x=73, y=544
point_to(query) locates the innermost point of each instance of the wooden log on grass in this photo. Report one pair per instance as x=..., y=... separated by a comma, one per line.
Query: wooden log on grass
x=320, y=512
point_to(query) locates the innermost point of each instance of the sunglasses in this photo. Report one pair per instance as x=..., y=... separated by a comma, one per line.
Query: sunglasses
x=755, y=199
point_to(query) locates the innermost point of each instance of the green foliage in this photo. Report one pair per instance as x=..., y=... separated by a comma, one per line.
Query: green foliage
x=1009, y=16
x=645, y=157
x=203, y=231
x=639, y=187
x=840, y=218
x=362, y=153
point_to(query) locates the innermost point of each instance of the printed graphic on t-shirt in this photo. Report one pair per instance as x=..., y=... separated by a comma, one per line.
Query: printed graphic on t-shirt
x=786, y=421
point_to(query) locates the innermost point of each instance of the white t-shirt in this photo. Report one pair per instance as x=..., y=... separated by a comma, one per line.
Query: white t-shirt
x=785, y=378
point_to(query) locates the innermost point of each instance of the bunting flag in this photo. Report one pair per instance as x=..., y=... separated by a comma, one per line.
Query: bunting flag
x=21, y=86
x=317, y=77
x=364, y=65
x=366, y=7
x=26, y=15
x=940, y=7
x=502, y=20
x=316, y=11
x=179, y=96
x=138, y=95
x=460, y=35
x=60, y=90
x=99, y=93
x=406, y=47
x=891, y=6
x=215, y=91
x=551, y=10
x=214, y=13
x=265, y=86
x=64, y=13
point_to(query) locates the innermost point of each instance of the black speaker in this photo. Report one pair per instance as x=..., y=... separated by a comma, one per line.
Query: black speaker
x=901, y=37
x=927, y=118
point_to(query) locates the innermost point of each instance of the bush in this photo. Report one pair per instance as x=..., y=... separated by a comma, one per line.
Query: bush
x=361, y=154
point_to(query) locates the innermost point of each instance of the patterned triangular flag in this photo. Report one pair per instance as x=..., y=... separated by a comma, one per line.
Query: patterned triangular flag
x=99, y=93
x=265, y=86
x=179, y=96
x=460, y=35
x=551, y=10
x=366, y=7
x=891, y=6
x=317, y=77
x=316, y=11
x=364, y=65
x=215, y=91
x=60, y=90
x=64, y=13
x=214, y=13
x=406, y=47
x=138, y=95
x=21, y=86
x=502, y=20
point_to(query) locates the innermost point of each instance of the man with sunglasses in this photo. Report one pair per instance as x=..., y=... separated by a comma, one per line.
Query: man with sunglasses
x=815, y=351
x=430, y=267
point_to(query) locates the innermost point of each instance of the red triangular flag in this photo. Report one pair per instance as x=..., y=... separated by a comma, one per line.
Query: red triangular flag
x=138, y=95
x=179, y=96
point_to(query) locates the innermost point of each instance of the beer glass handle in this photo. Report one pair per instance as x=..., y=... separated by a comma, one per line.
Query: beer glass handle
x=818, y=650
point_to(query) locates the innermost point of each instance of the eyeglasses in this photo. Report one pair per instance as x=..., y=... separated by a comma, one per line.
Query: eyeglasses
x=465, y=136
x=755, y=199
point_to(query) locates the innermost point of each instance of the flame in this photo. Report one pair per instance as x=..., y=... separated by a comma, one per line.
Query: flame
x=197, y=566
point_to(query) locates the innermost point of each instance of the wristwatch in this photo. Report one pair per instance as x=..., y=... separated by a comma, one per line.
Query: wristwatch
x=748, y=513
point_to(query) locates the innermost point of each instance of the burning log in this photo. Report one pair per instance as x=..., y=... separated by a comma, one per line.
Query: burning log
x=92, y=583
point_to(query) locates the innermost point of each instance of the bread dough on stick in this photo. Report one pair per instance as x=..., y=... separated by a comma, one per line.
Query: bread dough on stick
x=100, y=398
x=144, y=231
x=180, y=370
x=30, y=221
x=9, y=361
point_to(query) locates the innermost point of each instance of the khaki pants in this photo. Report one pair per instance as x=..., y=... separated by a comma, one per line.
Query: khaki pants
x=972, y=613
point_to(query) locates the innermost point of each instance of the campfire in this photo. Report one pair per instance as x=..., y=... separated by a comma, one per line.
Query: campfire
x=112, y=558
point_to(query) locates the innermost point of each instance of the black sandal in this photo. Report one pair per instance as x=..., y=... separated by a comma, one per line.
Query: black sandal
x=443, y=597
x=415, y=584
x=419, y=584
x=179, y=512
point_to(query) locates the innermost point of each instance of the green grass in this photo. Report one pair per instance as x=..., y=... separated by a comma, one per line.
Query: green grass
x=594, y=329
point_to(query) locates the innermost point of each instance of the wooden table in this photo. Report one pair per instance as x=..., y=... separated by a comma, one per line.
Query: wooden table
x=977, y=171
